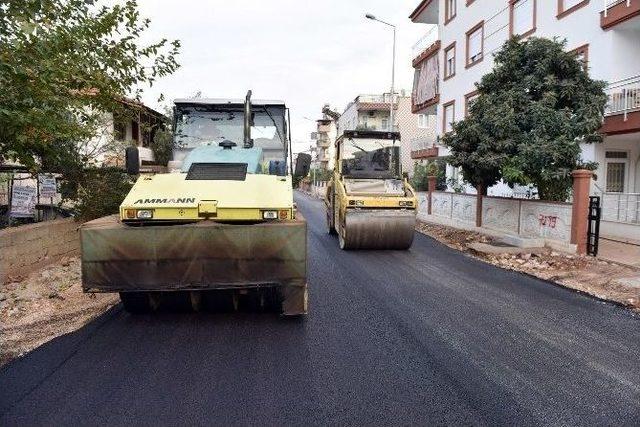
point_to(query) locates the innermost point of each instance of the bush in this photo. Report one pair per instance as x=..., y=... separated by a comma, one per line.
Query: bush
x=435, y=167
x=162, y=146
x=101, y=192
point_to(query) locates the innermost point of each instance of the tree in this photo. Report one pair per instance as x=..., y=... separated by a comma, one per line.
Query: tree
x=532, y=112
x=63, y=64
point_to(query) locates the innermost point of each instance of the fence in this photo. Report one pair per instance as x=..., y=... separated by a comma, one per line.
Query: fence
x=520, y=217
x=621, y=207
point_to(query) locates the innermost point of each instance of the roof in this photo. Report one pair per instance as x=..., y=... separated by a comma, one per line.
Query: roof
x=422, y=6
x=222, y=101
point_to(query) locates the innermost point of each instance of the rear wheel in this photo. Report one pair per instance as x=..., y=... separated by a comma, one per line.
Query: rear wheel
x=136, y=302
x=331, y=227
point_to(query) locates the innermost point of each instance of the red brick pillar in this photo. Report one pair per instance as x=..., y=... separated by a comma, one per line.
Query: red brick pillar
x=479, y=194
x=580, y=209
x=432, y=187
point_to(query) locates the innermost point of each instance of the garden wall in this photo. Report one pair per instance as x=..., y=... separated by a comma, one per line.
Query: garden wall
x=27, y=248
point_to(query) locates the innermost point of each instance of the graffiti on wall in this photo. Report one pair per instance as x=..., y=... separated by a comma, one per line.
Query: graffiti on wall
x=547, y=220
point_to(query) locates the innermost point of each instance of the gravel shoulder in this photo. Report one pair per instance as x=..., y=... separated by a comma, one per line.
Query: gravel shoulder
x=599, y=278
x=45, y=305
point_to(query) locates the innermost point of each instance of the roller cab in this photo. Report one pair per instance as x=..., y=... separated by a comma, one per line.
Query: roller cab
x=369, y=204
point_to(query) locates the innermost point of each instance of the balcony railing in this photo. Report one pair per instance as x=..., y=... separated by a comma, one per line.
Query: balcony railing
x=608, y=4
x=376, y=99
x=425, y=41
x=623, y=96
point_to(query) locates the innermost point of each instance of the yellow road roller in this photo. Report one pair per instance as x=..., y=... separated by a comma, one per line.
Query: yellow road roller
x=220, y=225
x=369, y=203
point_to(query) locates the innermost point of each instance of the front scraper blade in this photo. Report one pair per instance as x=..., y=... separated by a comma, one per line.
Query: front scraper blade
x=378, y=229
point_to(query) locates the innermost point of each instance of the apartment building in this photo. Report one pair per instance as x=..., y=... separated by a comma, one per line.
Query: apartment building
x=372, y=112
x=456, y=51
x=325, y=137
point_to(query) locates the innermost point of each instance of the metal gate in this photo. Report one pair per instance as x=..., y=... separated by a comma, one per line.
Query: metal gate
x=593, y=232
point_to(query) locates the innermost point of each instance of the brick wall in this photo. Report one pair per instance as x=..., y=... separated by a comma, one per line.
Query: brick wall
x=29, y=247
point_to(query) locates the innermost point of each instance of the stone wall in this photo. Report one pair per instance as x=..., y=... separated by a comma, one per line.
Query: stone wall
x=516, y=217
x=455, y=206
x=27, y=248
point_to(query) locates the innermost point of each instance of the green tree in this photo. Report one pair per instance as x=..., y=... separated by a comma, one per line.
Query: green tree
x=533, y=110
x=63, y=64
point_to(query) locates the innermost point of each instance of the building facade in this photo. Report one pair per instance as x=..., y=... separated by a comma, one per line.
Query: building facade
x=327, y=130
x=457, y=50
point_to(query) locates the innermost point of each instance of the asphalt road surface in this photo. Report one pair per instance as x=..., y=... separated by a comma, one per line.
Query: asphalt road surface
x=425, y=336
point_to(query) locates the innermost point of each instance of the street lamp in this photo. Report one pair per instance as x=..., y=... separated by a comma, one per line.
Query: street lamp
x=393, y=64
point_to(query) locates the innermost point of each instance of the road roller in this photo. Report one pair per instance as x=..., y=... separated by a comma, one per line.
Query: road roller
x=220, y=228
x=369, y=202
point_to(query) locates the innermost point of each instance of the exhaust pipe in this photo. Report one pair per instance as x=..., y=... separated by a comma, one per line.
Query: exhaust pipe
x=248, y=142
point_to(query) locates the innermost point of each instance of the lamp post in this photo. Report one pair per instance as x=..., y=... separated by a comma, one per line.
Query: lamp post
x=393, y=65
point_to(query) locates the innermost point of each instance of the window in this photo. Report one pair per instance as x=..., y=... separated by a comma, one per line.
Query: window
x=475, y=44
x=616, y=171
x=522, y=17
x=565, y=7
x=469, y=99
x=582, y=55
x=450, y=61
x=119, y=129
x=423, y=121
x=449, y=10
x=448, y=116
x=385, y=124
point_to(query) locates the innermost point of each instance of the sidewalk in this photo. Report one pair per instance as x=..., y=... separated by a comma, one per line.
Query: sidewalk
x=622, y=253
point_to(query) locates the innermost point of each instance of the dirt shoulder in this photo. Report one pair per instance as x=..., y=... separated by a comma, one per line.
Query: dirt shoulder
x=45, y=305
x=602, y=279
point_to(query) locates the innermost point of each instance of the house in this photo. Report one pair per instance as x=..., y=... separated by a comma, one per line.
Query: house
x=135, y=123
x=327, y=129
x=456, y=51
x=372, y=112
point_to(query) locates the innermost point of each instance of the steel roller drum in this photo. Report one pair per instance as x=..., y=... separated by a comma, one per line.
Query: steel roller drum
x=378, y=229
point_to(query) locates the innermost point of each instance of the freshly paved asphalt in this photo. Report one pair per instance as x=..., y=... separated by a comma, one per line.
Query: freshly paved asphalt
x=425, y=336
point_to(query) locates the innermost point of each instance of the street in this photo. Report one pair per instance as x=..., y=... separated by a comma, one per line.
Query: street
x=425, y=336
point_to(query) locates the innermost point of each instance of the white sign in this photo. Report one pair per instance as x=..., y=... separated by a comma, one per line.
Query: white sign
x=48, y=187
x=23, y=201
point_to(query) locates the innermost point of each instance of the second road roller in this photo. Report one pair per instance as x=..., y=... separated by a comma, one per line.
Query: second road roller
x=369, y=202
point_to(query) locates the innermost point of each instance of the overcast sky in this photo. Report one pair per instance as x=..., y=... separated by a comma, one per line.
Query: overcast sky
x=306, y=53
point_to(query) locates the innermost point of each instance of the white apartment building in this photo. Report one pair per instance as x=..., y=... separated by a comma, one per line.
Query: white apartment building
x=456, y=51
x=327, y=130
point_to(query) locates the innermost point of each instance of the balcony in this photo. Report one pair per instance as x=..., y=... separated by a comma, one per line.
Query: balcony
x=622, y=112
x=324, y=128
x=323, y=142
x=426, y=42
x=424, y=148
x=618, y=11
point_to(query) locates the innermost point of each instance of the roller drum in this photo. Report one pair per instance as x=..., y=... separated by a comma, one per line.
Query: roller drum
x=378, y=229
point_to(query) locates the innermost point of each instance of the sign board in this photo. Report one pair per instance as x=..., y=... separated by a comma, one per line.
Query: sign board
x=23, y=202
x=48, y=187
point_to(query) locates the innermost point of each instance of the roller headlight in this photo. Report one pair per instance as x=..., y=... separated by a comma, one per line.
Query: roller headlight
x=144, y=214
x=270, y=214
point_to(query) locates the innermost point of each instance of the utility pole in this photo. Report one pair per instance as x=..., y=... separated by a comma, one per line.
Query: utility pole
x=393, y=67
